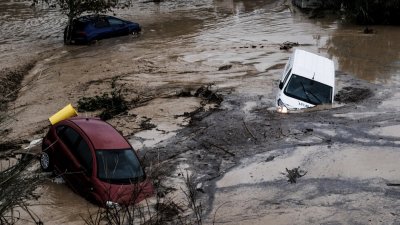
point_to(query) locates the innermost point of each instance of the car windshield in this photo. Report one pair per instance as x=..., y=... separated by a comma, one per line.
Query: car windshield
x=308, y=90
x=118, y=166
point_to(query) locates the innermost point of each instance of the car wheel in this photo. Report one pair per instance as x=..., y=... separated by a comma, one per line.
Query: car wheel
x=45, y=162
x=135, y=32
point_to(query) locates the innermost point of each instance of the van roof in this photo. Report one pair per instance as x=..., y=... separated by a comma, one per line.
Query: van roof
x=313, y=66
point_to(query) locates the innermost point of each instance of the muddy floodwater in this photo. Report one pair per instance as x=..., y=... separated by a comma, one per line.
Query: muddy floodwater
x=239, y=150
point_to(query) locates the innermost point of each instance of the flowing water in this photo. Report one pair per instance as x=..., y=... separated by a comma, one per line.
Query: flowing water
x=178, y=37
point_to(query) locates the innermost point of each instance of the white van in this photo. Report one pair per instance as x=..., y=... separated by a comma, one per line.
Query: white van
x=308, y=80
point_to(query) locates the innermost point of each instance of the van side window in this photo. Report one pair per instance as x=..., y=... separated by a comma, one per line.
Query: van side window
x=287, y=76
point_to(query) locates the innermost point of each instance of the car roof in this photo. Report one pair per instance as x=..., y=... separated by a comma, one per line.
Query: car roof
x=312, y=66
x=102, y=135
x=90, y=18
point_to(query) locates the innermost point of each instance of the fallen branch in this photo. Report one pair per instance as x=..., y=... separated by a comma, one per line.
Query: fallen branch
x=294, y=174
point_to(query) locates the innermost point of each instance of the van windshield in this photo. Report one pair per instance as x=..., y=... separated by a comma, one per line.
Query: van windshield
x=307, y=90
x=118, y=166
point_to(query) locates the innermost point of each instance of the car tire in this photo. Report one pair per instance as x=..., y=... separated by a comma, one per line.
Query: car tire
x=135, y=32
x=45, y=162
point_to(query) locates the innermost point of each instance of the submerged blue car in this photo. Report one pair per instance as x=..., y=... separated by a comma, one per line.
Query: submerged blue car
x=89, y=28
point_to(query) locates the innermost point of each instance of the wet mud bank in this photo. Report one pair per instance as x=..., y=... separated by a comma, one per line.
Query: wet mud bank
x=240, y=157
x=10, y=80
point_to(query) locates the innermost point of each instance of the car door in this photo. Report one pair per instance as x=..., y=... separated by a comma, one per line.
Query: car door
x=83, y=153
x=64, y=159
x=119, y=26
x=73, y=165
x=102, y=28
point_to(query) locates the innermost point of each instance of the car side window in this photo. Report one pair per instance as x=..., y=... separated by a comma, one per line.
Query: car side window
x=60, y=129
x=115, y=22
x=84, y=155
x=77, y=145
x=101, y=23
x=69, y=137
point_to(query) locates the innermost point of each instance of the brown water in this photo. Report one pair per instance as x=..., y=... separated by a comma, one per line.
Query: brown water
x=368, y=56
x=182, y=45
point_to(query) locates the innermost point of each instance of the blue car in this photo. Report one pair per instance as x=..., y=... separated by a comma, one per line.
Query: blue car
x=89, y=28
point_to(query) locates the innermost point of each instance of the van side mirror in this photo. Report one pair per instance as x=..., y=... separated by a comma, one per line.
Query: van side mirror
x=280, y=85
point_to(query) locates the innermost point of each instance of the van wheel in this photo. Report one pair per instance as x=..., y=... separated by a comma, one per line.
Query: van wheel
x=45, y=162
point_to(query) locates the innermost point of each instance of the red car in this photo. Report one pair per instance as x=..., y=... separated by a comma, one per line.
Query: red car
x=96, y=161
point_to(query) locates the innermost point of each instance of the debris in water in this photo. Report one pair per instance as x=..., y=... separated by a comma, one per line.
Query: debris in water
x=225, y=67
x=206, y=93
x=352, y=94
x=58, y=180
x=110, y=104
x=368, y=30
x=288, y=45
x=184, y=93
x=34, y=143
x=270, y=158
x=146, y=125
x=294, y=174
x=203, y=92
x=10, y=145
x=308, y=130
x=199, y=187
x=169, y=209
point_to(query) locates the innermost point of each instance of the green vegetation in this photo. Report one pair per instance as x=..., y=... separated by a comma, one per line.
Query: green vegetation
x=110, y=104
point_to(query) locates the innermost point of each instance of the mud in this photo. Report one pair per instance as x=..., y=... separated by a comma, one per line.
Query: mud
x=238, y=149
x=9, y=145
x=352, y=94
x=10, y=82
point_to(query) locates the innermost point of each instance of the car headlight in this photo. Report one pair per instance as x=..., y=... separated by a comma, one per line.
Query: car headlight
x=112, y=205
x=281, y=107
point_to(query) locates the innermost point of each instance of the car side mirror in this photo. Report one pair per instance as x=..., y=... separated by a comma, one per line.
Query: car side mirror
x=280, y=85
